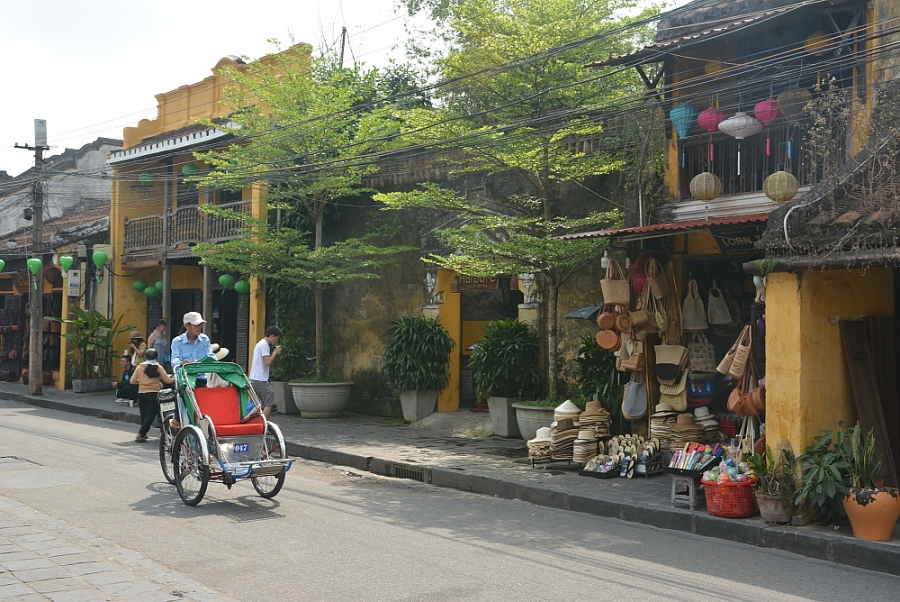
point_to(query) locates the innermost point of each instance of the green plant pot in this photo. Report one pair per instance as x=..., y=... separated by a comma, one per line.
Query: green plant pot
x=503, y=416
x=774, y=509
x=321, y=400
x=531, y=418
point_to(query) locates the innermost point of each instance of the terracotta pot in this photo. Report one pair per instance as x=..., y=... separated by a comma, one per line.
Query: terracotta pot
x=774, y=509
x=873, y=512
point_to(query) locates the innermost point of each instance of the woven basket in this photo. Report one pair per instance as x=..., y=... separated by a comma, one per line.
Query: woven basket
x=693, y=314
x=615, y=287
x=731, y=500
x=716, y=308
x=657, y=280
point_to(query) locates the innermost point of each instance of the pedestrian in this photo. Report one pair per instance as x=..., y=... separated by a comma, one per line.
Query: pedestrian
x=125, y=391
x=264, y=354
x=148, y=377
x=137, y=347
x=190, y=346
x=157, y=340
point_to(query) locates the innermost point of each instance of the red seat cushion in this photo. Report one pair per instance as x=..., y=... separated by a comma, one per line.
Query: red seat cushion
x=222, y=405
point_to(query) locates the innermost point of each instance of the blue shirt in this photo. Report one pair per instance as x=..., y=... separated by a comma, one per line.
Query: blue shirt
x=182, y=349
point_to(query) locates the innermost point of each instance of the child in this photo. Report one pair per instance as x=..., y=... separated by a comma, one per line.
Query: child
x=149, y=378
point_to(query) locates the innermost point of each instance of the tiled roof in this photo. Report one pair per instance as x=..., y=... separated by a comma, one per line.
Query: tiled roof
x=670, y=227
x=51, y=228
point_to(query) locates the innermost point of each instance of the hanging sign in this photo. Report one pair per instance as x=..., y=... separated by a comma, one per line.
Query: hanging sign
x=74, y=279
x=738, y=239
x=473, y=283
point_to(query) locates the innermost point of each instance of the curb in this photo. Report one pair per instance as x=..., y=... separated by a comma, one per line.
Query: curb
x=849, y=551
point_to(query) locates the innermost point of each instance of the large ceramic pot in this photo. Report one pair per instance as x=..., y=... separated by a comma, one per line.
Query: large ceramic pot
x=774, y=509
x=89, y=385
x=873, y=512
x=503, y=416
x=417, y=404
x=531, y=418
x=284, y=398
x=321, y=400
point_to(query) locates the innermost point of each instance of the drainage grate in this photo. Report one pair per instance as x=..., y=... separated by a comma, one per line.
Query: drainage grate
x=407, y=472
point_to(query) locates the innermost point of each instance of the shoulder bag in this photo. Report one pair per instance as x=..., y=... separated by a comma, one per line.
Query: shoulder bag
x=615, y=287
x=693, y=314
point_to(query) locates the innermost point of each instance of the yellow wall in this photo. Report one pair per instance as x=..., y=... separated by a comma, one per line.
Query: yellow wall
x=472, y=332
x=449, y=312
x=807, y=382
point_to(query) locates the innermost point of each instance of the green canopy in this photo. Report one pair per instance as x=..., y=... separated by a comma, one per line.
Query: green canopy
x=186, y=375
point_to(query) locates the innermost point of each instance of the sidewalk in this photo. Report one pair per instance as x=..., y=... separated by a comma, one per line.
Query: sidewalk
x=42, y=558
x=451, y=450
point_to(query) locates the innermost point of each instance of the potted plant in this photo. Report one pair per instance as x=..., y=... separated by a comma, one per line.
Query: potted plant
x=822, y=482
x=534, y=414
x=873, y=509
x=505, y=367
x=91, y=360
x=417, y=362
x=775, y=487
x=290, y=366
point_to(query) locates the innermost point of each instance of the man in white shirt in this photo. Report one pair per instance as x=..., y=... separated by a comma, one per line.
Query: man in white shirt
x=263, y=356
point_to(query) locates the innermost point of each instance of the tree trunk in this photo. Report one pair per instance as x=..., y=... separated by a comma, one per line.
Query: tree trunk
x=319, y=293
x=552, y=348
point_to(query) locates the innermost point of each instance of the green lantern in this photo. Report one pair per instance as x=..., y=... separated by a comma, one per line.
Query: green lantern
x=34, y=265
x=2, y=265
x=100, y=258
x=242, y=287
x=139, y=285
x=146, y=179
x=158, y=286
x=151, y=292
x=190, y=170
x=65, y=262
x=226, y=280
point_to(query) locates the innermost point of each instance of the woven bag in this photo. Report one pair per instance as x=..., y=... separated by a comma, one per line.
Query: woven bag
x=693, y=314
x=657, y=279
x=741, y=354
x=702, y=357
x=639, y=272
x=623, y=323
x=677, y=402
x=609, y=340
x=606, y=319
x=615, y=287
x=716, y=308
x=733, y=328
x=678, y=387
x=673, y=332
x=635, y=400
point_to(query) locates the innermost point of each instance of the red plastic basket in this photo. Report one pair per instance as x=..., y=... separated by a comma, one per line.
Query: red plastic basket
x=731, y=500
x=729, y=430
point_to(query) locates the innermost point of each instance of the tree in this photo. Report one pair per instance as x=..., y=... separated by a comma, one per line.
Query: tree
x=304, y=127
x=521, y=100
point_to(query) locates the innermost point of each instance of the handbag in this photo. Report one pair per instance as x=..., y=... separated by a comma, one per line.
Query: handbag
x=623, y=323
x=702, y=357
x=716, y=308
x=639, y=272
x=673, y=332
x=677, y=402
x=615, y=287
x=733, y=328
x=701, y=392
x=642, y=315
x=669, y=362
x=741, y=354
x=606, y=319
x=609, y=340
x=635, y=400
x=676, y=388
x=635, y=355
x=748, y=398
x=657, y=279
x=693, y=314
x=725, y=365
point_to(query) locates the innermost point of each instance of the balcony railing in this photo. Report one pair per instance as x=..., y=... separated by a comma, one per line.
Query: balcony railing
x=186, y=226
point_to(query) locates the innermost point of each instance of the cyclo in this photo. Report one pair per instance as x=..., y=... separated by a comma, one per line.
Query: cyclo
x=224, y=435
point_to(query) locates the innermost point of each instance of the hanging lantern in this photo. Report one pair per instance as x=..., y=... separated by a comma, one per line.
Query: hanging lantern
x=190, y=170
x=139, y=285
x=817, y=43
x=34, y=265
x=226, y=280
x=2, y=265
x=767, y=111
x=709, y=119
x=151, y=292
x=146, y=179
x=740, y=126
x=100, y=258
x=65, y=262
x=242, y=287
x=793, y=104
x=706, y=186
x=781, y=186
x=158, y=286
x=683, y=117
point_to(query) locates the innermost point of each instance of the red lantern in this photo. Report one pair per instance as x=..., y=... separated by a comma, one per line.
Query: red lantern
x=767, y=111
x=709, y=119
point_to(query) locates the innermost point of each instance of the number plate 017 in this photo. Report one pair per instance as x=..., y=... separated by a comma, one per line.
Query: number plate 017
x=241, y=448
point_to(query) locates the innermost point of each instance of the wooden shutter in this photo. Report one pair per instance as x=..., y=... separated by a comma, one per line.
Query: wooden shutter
x=243, y=330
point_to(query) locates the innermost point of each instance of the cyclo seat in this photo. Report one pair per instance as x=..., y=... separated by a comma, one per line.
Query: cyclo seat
x=223, y=406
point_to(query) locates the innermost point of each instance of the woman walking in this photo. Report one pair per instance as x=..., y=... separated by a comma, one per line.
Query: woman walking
x=149, y=378
x=157, y=340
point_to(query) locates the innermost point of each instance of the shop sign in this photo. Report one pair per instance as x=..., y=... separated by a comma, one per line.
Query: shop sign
x=474, y=283
x=738, y=239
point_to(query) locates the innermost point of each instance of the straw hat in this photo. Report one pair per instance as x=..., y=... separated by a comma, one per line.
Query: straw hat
x=565, y=424
x=685, y=422
x=567, y=407
x=586, y=435
x=593, y=407
x=222, y=353
x=135, y=335
x=701, y=413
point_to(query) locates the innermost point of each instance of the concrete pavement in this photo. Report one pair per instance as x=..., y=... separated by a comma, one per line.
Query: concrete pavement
x=454, y=450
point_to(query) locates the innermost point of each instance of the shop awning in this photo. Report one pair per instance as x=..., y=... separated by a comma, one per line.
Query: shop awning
x=670, y=228
x=585, y=313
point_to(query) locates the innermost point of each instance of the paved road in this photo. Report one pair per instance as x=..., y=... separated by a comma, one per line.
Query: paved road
x=335, y=535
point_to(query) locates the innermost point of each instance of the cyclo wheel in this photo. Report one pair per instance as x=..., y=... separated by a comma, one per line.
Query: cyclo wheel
x=166, y=440
x=191, y=475
x=268, y=486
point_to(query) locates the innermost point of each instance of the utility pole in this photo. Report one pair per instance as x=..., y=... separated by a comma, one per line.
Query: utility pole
x=343, y=44
x=35, y=346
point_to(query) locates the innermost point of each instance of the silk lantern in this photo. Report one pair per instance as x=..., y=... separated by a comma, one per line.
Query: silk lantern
x=706, y=186
x=190, y=170
x=683, y=117
x=2, y=265
x=146, y=179
x=139, y=285
x=150, y=292
x=158, y=286
x=65, y=262
x=781, y=186
x=100, y=258
x=242, y=287
x=34, y=266
x=767, y=111
x=817, y=43
x=740, y=126
x=226, y=280
x=709, y=119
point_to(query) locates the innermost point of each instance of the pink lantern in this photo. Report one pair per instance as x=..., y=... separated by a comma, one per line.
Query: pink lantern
x=740, y=126
x=709, y=119
x=767, y=111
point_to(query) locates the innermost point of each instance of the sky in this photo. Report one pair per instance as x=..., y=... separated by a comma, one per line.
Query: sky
x=93, y=67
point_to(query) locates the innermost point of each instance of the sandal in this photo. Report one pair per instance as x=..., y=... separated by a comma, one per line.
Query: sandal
x=140, y=439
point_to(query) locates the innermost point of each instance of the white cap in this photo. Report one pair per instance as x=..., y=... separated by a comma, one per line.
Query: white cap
x=193, y=317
